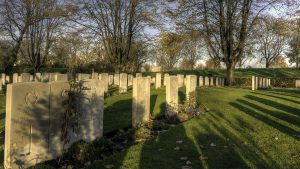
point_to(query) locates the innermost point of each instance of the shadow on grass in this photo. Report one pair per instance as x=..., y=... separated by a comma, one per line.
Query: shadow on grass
x=152, y=102
x=181, y=96
x=241, y=106
x=274, y=104
x=289, y=93
x=113, y=90
x=230, y=142
x=278, y=97
x=117, y=116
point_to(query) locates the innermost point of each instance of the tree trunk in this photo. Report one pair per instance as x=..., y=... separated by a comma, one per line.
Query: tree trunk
x=230, y=73
x=267, y=65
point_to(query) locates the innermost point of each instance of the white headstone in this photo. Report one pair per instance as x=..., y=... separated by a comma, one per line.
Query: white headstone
x=158, y=80
x=117, y=79
x=180, y=80
x=123, y=83
x=15, y=78
x=105, y=78
x=27, y=124
x=91, y=107
x=141, y=100
x=191, y=84
x=24, y=77
x=171, y=95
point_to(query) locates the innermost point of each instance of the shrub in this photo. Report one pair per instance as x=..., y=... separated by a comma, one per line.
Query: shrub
x=79, y=152
x=101, y=148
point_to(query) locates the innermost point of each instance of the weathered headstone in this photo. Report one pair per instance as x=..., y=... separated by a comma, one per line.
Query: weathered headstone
x=138, y=75
x=297, y=83
x=158, y=80
x=91, y=107
x=130, y=78
x=104, y=77
x=34, y=120
x=3, y=78
x=269, y=82
x=110, y=79
x=206, y=81
x=141, y=100
x=191, y=84
x=201, y=81
x=52, y=77
x=217, y=81
x=58, y=96
x=211, y=83
x=83, y=76
x=24, y=77
x=256, y=83
x=38, y=77
x=253, y=83
x=266, y=82
x=61, y=77
x=45, y=77
x=180, y=80
x=15, y=78
x=123, y=83
x=7, y=79
x=117, y=79
x=26, y=125
x=165, y=76
x=171, y=95
x=95, y=75
x=260, y=82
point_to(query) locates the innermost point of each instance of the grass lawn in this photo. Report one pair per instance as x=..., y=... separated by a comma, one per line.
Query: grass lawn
x=244, y=129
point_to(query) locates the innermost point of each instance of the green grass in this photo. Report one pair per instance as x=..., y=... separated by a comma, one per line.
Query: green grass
x=240, y=73
x=118, y=108
x=249, y=129
x=258, y=129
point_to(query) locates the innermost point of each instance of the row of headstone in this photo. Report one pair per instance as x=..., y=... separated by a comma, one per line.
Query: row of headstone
x=203, y=81
x=297, y=83
x=260, y=83
x=141, y=96
x=35, y=116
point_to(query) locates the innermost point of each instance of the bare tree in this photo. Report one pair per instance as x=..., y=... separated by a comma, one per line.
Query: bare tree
x=271, y=37
x=40, y=35
x=191, y=49
x=117, y=23
x=169, y=50
x=15, y=20
x=225, y=25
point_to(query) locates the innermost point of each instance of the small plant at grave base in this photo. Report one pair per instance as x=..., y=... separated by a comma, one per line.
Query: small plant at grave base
x=142, y=133
x=177, y=118
x=79, y=152
x=190, y=108
x=101, y=148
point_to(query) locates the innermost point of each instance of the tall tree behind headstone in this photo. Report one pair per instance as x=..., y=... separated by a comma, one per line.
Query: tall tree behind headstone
x=225, y=25
x=116, y=23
